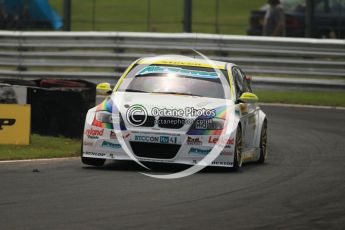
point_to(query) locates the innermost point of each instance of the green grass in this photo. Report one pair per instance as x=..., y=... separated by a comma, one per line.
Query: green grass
x=304, y=98
x=41, y=147
x=165, y=16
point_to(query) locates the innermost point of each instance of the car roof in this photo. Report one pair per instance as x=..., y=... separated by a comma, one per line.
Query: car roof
x=180, y=60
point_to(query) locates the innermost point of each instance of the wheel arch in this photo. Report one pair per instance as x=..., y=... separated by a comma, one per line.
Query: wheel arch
x=261, y=119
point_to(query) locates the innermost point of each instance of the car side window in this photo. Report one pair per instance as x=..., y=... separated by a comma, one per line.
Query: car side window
x=246, y=82
x=238, y=80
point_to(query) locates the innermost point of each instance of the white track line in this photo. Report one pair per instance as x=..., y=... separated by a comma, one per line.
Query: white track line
x=37, y=160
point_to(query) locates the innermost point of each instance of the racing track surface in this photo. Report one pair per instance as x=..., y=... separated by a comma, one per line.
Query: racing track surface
x=302, y=186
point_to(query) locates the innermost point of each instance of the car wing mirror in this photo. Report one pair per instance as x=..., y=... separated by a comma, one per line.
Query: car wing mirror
x=249, y=98
x=103, y=89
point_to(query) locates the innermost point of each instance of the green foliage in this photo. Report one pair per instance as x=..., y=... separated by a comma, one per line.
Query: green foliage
x=304, y=98
x=165, y=15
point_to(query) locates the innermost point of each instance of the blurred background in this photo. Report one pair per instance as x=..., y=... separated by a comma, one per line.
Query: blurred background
x=220, y=16
x=327, y=17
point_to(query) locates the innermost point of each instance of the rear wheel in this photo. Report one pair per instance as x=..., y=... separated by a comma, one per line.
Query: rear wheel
x=238, y=150
x=91, y=161
x=263, y=143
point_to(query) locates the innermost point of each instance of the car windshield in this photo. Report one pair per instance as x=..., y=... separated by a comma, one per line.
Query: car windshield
x=180, y=80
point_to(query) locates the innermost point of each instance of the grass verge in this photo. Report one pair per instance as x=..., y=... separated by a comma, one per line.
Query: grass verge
x=41, y=147
x=303, y=98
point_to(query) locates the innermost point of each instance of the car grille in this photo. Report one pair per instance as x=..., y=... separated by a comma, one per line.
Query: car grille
x=150, y=120
x=153, y=150
x=171, y=122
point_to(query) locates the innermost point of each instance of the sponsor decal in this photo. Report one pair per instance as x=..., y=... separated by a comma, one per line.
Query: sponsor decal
x=87, y=143
x=227, y=152
x=156, y=139
x=199, y=151
x=94, y=133
x=95, y=154
x=15, y=124
x=107, y=144
x=202, y=124
x=168, y=140
x=221, y=163
x=113, y=135
x=214, y=140
x=179, y=71
x=146, y=139
x=7, y=122
x=194, y=141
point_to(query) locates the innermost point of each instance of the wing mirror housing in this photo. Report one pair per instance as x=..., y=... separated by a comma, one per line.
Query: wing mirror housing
x=103, y=89
x=249, y=98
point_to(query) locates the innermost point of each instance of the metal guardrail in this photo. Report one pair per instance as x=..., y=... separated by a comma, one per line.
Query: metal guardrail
x=104, y=55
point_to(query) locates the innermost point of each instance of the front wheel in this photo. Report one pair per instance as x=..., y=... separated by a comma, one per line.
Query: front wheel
x=263, y=143
x=238, y=150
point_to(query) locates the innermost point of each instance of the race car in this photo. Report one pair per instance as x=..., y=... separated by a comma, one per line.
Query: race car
x=177, y=109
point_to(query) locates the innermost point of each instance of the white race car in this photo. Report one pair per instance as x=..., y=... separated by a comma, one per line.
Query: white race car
x=176, y=109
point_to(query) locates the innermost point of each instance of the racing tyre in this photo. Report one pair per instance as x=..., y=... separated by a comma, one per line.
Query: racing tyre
x=263, y=143
x=91, y=161
x=238, y=150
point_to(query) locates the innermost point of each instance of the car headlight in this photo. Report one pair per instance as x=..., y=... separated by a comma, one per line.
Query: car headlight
x=208, y=124
x=104, y=117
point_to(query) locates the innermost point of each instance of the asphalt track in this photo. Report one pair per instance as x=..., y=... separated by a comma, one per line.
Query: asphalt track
x=302, y=186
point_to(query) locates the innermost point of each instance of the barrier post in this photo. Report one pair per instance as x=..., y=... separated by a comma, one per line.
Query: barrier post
x=67, y=15
x=187, y=20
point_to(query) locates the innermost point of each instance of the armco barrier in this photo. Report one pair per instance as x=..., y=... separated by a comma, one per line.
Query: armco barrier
x=104, y=55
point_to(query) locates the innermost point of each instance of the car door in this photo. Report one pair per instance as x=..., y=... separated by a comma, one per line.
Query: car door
x=248, y=111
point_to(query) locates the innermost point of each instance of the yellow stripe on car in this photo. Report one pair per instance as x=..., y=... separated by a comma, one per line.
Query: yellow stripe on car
x=231, y=85
x=125, y=74
x=180, y=63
